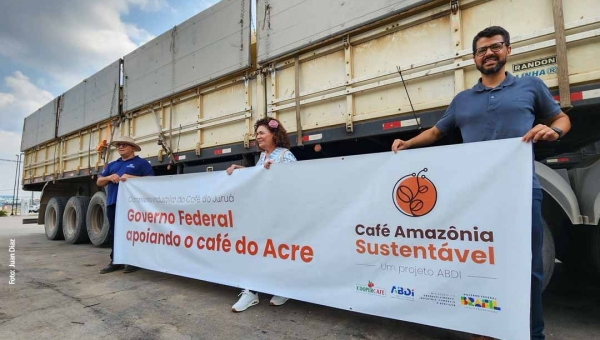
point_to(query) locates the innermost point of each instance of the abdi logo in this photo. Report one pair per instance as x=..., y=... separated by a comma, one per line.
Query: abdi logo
x=415, y=195
x=402, y=291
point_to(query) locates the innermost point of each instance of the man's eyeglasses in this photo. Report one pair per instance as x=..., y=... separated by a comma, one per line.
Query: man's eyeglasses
x=494, y=47
x=118, y=145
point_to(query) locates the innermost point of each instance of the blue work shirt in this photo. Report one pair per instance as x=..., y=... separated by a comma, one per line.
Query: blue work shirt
x=506, y=111
x=134, y=166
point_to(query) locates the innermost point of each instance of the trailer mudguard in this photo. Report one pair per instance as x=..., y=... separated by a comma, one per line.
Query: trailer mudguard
x=560, y=190
x=586, y=184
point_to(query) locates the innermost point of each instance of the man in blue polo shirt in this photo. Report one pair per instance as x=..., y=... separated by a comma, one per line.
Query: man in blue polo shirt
x=501, y=106
x=128, y=166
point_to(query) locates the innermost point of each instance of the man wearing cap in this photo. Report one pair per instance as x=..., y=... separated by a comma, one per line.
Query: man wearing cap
x=128, y=166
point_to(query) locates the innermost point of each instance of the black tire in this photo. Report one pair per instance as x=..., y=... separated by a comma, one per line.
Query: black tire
x=594, y=251
x=564, y=241
x=74, y=217
x=96, y=220
x=576, y=253
x=53, y=218
x=548, y=255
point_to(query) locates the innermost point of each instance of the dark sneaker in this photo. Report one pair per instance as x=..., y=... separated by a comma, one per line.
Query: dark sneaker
x=111, y=268
x=130, y=269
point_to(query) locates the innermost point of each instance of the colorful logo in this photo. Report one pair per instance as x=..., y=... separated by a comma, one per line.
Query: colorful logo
x=398, y=291
x=370, y=289
x=479, y=302
x=415, y=195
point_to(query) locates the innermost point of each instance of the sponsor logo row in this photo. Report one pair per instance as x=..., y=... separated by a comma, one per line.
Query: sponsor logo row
x=474, y=301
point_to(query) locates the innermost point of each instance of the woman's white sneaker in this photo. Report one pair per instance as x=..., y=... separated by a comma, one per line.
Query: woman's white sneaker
x=278, y=300
x=247, y=299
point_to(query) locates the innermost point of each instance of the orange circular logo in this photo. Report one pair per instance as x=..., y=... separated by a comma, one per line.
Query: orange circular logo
x=415, y=195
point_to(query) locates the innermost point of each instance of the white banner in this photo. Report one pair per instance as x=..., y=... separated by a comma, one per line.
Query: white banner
x=439, y=236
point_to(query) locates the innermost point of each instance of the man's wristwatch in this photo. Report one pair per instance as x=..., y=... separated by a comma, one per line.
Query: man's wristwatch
x=557, y=130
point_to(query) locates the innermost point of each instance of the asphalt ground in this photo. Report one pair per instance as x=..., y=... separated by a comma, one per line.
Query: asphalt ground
x=59, y=294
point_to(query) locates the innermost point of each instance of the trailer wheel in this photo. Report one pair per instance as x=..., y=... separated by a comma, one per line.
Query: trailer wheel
x=548, y=255
x=594, y=250
x=97, y=222
x=74, y=217
x=582, y=254
x=53, y=218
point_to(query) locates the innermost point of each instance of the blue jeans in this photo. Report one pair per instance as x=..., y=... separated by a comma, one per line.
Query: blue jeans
x=110, y=214
x=537, y=267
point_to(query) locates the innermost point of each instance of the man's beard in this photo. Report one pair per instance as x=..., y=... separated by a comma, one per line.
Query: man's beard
x=488, y=71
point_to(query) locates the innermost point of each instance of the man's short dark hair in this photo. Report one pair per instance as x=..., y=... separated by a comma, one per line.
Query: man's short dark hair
x=490, y=32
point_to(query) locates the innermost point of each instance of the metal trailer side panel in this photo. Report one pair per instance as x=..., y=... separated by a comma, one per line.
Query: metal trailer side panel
x=41, y=163
x=91, y=101
x=29, y=136
x=71, y=114
x=40, y=126
x=213, y=43
x=355, y=78
x=46, y=130
x=284, y=26
x=359, y=81
x=73, y=155
x=352, y=80
x=220, y=114
x=78, y=151
x=531, y=26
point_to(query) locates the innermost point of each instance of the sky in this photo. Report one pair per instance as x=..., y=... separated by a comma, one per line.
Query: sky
x=49, y=46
